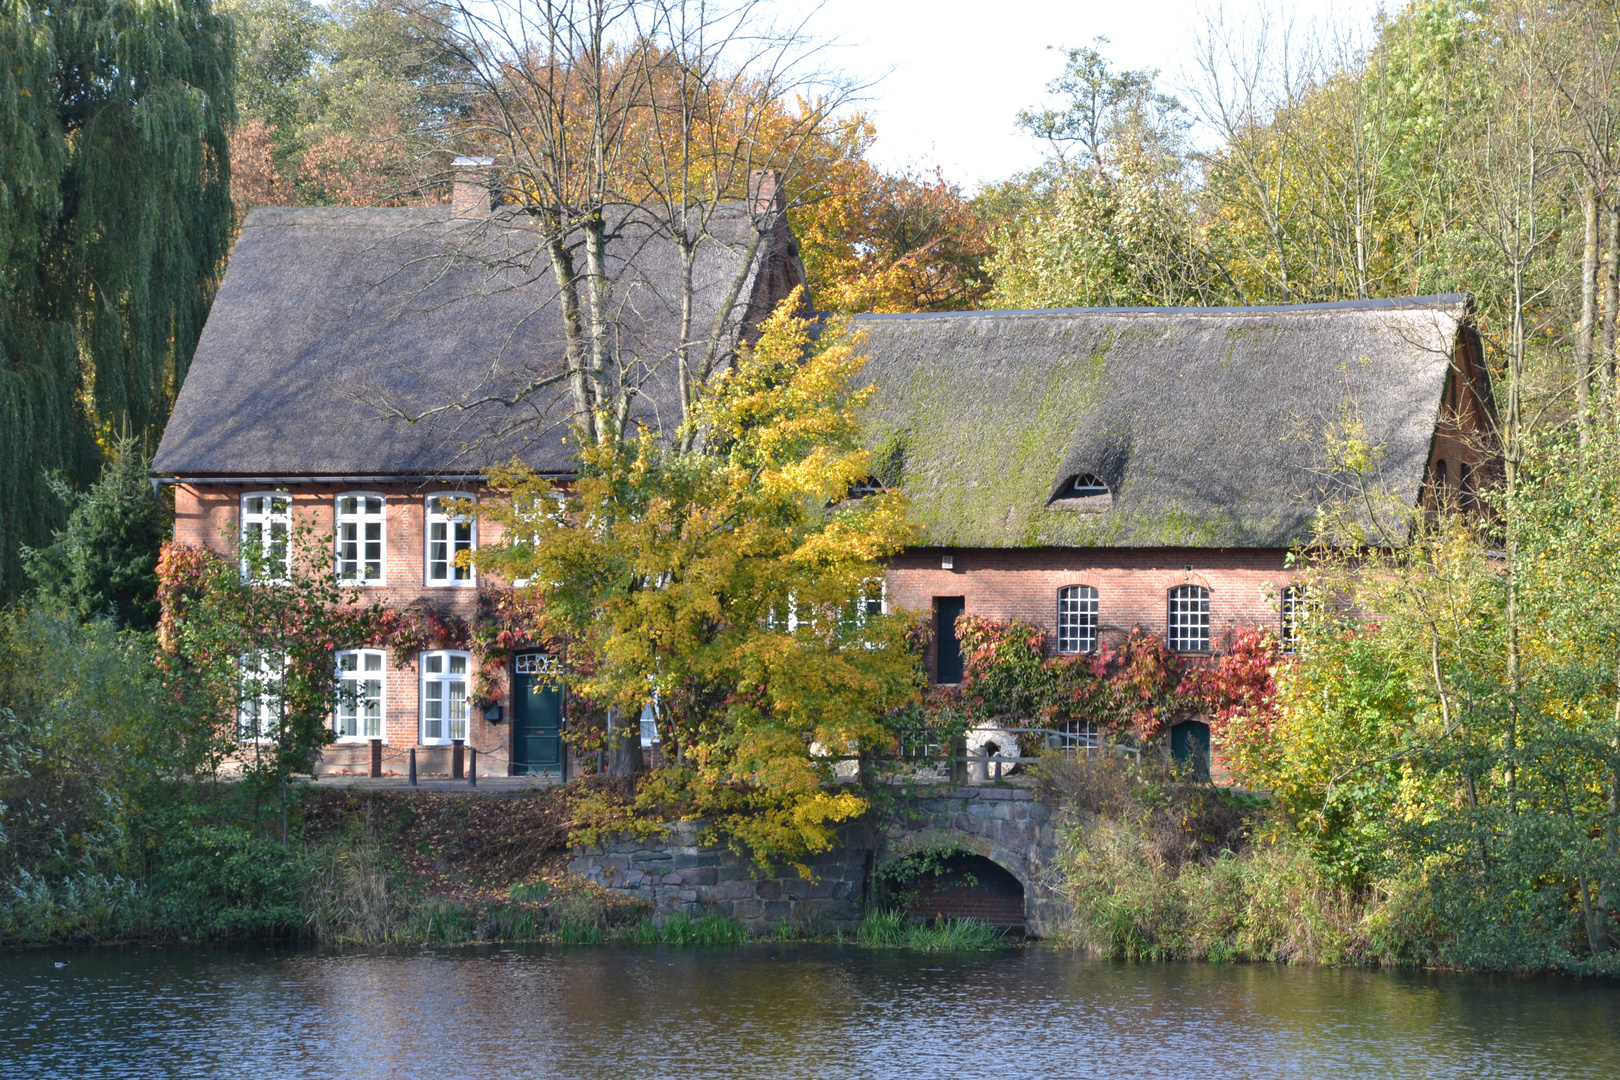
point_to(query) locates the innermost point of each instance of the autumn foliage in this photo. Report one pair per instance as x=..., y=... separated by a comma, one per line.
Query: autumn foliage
x=1131, y=691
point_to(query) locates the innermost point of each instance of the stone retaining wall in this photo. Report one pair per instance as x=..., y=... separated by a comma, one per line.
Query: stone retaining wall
x=676, y=874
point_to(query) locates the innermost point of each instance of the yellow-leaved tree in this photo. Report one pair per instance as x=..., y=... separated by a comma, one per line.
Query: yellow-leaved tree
x=738, y=584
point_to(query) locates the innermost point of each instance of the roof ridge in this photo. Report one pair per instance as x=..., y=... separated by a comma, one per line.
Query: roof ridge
x=1379, y=304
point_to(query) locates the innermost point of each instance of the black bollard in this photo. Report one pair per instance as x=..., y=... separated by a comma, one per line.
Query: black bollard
x=413, y=766
x=376, y=758
x=472, y=766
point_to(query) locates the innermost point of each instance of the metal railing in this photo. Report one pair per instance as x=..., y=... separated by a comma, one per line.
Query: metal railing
x=929, y=747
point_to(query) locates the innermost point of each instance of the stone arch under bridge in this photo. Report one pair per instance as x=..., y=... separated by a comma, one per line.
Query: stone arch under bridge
x=1006, y=825
x=677, y=874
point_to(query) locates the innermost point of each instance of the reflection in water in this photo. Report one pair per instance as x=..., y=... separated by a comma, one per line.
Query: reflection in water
x=778, y=1011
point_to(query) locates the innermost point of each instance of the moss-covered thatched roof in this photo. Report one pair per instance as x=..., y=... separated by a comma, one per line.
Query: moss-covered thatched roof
x=1207, y=424
x=331, y=322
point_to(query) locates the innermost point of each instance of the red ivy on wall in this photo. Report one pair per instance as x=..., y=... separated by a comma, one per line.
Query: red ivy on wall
x=1139, y=687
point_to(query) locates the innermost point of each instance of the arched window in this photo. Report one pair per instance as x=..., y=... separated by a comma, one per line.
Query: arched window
x=448, y=535
x=1189, y=618
x=360, y=539
x=1077, y=619
x=1084, y=486
x=1293, y=610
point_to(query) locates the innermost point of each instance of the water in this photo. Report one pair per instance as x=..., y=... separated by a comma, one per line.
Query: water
x=776, y=1011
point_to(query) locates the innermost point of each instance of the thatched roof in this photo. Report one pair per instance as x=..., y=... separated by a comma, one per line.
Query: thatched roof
x=1207, y=424
x=330, y=319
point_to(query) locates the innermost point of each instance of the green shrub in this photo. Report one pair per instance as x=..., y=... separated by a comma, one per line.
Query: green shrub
x=221, y=881
x=82, y=907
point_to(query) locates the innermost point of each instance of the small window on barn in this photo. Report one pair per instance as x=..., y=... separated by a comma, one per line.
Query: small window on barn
x=1077, y=619
x=266, y=525
x=1084, y=486
x=360, y=539
x=1189, y=618
x=448, y=535
x=1293, y=611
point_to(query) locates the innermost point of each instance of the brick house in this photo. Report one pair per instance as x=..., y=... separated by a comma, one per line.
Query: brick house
x=357, y=371
x=1088, y=471
x=1085, y=471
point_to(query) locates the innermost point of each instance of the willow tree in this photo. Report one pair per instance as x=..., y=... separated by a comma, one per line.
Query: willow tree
x=115, y=217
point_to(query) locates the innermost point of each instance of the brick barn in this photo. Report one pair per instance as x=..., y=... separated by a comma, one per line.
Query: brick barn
x=1083, y=470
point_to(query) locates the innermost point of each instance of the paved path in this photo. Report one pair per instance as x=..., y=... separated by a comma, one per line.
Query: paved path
x=488, y=785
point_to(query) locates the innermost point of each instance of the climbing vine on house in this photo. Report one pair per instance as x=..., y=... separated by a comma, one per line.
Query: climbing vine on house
x=1132, y=692
x=250, y=657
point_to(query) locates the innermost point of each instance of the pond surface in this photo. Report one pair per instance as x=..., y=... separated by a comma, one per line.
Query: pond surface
x=776, y=1011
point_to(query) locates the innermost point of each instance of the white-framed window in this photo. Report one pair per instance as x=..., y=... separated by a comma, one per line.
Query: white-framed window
x=1077, y=619
x=360, y=519
x=1085, y=486
x=1189, y=618
x=649, y=724
x=444, y=696
x=258, y=711
x=448, y=535
x=1293, y=611
x=359, y=712
x=266, y=527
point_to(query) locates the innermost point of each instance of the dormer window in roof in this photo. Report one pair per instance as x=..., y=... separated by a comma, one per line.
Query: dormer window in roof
x=1085, y=486
x=865, y=486
x=1086, y=492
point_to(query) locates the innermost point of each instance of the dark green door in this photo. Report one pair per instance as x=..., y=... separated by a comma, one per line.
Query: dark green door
x=536, y=715
x=1189, y=745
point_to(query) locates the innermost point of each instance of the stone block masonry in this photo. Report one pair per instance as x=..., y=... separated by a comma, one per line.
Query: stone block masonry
x=675, y=874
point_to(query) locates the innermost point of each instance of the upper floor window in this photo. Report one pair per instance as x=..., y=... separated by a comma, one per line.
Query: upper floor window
x=448, y=535
x=266, y=526
x=359, y=713
x=1077, y=619
x=444, y=696
x=360, y=538
x=1293, y=611
x=1189, y=618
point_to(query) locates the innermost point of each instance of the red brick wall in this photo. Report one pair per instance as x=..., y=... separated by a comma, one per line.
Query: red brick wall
x=208, y=515
x=969, y=888
x=1132, y=584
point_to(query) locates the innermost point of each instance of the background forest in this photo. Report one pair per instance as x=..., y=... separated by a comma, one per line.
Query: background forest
x=1445, y=777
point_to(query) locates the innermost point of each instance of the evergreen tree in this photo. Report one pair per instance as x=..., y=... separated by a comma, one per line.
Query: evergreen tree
x=115, y=218
x=105, y=561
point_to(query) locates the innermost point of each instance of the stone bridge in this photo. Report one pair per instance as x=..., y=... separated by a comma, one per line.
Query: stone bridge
x=1002, y=823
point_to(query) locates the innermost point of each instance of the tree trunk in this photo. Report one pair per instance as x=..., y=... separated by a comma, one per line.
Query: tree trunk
x=1588, y=324
x=1611, y=315
x=623, y=745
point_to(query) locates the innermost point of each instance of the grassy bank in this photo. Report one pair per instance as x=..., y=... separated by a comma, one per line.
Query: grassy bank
x=359, y=868
x=1162, y=869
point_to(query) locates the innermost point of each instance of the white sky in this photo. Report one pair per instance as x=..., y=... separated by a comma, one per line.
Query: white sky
x=959, y=70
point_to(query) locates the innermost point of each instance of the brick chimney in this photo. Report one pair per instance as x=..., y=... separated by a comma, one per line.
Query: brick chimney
x=472, y=192
x=765, y=191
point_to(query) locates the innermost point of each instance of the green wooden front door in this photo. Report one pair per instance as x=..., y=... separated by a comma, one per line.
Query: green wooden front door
x=536, y=715
x=1189, y=746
